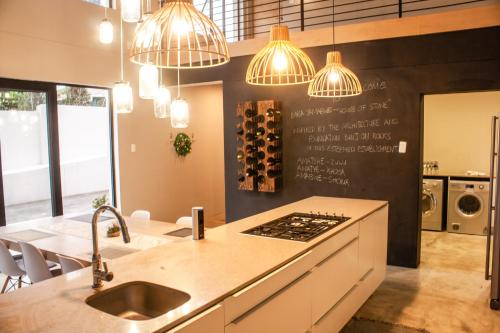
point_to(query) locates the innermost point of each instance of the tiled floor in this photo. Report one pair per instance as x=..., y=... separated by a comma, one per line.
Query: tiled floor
x=39, y=209
x=446, y=294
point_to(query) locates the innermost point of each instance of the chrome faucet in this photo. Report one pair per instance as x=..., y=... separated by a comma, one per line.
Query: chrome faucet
x=98, y=273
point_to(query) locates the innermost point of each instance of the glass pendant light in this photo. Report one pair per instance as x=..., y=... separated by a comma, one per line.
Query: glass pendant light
x=162, y=101
x=178, y=35
x=179, y=109
x=148, y=81
x=131, y=10
x=106, y=29
x=334, y=80
x=280, y=62
x=179, y=113
x=123, y=99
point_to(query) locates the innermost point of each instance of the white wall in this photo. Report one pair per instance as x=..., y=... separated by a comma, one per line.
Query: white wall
x=457, y=130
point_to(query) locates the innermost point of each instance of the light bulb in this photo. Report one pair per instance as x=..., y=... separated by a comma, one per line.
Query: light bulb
x=334, y=76
x=131, y=10
x=179, y=114
x=106, y=32
x=279, y=61
x=180, y=26
x=148, y=81
x=123, y=100
x=162, y=102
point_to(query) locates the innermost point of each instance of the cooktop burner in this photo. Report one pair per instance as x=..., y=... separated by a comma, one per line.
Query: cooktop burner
x=298, y=226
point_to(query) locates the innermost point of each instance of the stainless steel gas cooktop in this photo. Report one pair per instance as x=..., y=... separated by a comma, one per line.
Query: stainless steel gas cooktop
x=298, y=226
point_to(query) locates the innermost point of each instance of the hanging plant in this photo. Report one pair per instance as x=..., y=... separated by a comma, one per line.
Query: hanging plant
x=182, y=144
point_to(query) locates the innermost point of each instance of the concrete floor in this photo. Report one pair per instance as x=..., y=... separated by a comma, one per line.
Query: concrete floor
x=39, y=209
x=446, y=294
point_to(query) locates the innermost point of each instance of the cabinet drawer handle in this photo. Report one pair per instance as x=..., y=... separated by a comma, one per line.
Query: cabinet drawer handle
x=270, y=298
x=322, y=262
x=256, y=283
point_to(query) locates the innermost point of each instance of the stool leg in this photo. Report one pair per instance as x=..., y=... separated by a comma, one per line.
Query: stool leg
x=19, y=281
x=5, y=284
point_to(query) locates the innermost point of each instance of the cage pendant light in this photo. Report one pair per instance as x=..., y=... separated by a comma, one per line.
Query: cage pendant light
x=334, y=80
x=178, y=35
x=280, y=62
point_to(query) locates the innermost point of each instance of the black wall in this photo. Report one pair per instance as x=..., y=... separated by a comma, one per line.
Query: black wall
x=395, y=74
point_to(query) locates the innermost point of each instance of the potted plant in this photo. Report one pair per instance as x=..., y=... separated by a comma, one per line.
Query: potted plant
x=100, y=201
x=113, y=230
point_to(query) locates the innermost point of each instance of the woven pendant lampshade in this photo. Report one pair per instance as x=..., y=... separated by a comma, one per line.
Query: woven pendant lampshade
x=179, y=36
x=280, y=62
x=334, y=80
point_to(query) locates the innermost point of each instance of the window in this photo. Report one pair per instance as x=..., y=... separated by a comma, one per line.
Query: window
x=103, y=3
x=55, y=149
x=223, y=13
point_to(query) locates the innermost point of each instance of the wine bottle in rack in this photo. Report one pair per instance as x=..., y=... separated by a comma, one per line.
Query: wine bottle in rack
x=240, y=155
x=251, y=160
x=261, y=167
x=250, y=149
x=271, y=161
x=273, y=173
x=273, y=149
x=261, y=179
x=273, y=112
x=249, y=113
x=250, y=137
x=250, y=172
x=260, y=131
x=272, y=137
x=250, y=125
x=260, y=155
x=271, y=124
x=241, y=178
x=260, y=118
x=260, y=143
x=239, y=131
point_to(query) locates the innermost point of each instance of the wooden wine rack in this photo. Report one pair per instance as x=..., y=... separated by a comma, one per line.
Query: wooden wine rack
x=249, y=183
x=271, y=184
x=259, y=180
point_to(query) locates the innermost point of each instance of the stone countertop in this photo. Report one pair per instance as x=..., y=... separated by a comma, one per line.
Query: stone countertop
x=446, y=174
x=209, y=270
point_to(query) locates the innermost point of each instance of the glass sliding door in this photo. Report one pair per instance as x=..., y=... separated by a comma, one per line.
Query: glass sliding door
x=24, y=150
x=84, y=124
x=56, y=149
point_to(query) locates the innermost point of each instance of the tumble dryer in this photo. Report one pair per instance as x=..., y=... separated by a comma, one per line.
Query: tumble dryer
x=468, y=207
x=432, y=204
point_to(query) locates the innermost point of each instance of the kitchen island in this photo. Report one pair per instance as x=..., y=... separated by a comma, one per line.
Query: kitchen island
x=236, y=282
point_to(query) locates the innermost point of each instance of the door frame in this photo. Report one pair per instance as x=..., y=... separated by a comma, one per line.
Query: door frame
x=50, y=89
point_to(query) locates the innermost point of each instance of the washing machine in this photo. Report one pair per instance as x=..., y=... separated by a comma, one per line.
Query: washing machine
x=468, y=206
x=432, y=204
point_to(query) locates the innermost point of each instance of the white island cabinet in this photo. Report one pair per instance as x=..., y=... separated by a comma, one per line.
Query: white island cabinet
x=209, y=321
x=318, y=291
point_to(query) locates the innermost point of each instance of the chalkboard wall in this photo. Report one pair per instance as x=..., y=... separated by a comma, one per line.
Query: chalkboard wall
x=349, y=147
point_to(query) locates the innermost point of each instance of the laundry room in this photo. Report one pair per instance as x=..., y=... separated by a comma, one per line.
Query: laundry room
x=460, y=147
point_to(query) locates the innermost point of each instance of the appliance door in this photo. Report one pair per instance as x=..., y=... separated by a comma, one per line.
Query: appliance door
x=429, y=202
x=493, y=233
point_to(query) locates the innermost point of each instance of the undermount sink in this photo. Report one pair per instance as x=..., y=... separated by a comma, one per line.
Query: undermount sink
x=138, y=300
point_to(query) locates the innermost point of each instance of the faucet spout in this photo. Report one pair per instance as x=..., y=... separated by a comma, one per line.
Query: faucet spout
x=100, y=274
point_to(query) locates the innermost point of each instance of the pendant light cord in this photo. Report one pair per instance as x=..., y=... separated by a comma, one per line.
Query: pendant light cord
x=121, y=47
x=279, y=12
x=178, y=82
x=333, y=25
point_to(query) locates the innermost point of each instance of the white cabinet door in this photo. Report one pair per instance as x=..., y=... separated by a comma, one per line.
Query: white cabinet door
x=209, y=321
x=254, y=294
x=288, y=311
x=333, y=278
x=373, y=243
